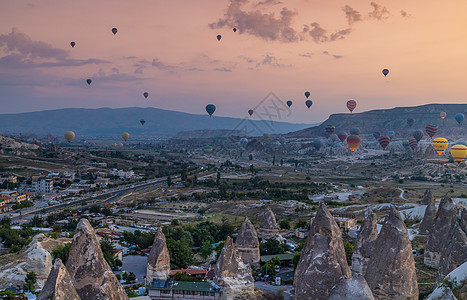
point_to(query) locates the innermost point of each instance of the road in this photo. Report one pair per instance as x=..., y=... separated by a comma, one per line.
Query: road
x=284, y=290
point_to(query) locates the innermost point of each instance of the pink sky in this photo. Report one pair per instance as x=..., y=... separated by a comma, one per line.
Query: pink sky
x=169, y=49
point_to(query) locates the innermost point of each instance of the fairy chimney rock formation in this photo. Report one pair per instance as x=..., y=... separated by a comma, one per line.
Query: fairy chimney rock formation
x=428, y=218
x=247, y=243
x=440, y=230
x=90, y=273
x=268, y=226
x=427, y=197
x=364, y=244
x=158, y=260
x=391, y=269
x=58, y=285
x=231, y=273
x=322, y=262
x=355, y=288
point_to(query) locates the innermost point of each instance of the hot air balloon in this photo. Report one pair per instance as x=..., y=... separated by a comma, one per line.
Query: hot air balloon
x=250, y=112
x=289, y=103
x=210, y=108
x=234, y=30
x=219, y=37
x=342, y=136
x=114, y=30
x=461, y=143
x=83, y=140
x=330, y=129
x=391, y=134
x=72, y=44
x=207, y=149
x=353, y=141
x=333, y=139
x=307, y=94
x=355, y=131
x=317, y=144
x=440, y=144
x=243, y=142
x=351, y=104
x=413, y=143
x=442, y=115
x=89, y=81
x=125, y=136
x=418, y=135
x=142, y=121
x=459, y=118
x=384, y=141
x=308, y=103
x=376, y=135
x=410, y=122
x=385, y=72
x=459, y=152
x=69, y=136
x=431, y=130
x=146, y=94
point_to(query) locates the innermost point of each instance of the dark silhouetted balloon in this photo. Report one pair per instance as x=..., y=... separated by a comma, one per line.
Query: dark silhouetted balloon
x=207, y=149
x=317, y=144
x=431, y=130
x=418, y=135
x=289, y=103
x=391, y=134
x=342, y=136
x=114, y=30
x=353, y=141
x=354, y=131
x=413, y=143
x=146, y=94
x=219, y=37
x=376, y=135
x=89, y=81
x=250, y=112
x=410, y=122
x=234, y=30
x=307, y=94
x=142, y=121
x=210, y=108
x=459, y=118
x=384, y=141
x=385, y=72
x=351, y=104
x=308, y=103
x=72, y=44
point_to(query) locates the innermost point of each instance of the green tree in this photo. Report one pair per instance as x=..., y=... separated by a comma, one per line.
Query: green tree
x=37, y=221
x=169, y=181
x=348, y=252
x=30, y=280
x=284, y=224
x=180, y=254
x=269, y=268
x=61, y=251
x=5, y=222
x=273, y=246
x=108, y=250
x=206, y=249
x=95, y=209
x=296, y=259
x=301, y=224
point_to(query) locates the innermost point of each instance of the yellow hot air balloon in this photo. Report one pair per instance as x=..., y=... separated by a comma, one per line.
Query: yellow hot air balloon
x=125, y=136
x=459, y=152
x=440, y=144
x=69, y=136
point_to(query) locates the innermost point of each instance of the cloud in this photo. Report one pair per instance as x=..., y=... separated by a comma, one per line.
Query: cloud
x=308, y=54
x=339, y=35
x=268, y=2
x=332, y=55
x=19, y=61
x=405, y=14
x=162, y=66
x=222, y=69
x=319, y=34
x=271, y=60
x=379, y=12
x=351, y=14
x=264, y=25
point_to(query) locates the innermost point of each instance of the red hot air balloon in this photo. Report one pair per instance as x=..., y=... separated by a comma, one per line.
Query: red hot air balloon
x=342, y=136
x=353, y=141
x=431, y=130
x=384, y=141
x=250, y=112
x=351, y=104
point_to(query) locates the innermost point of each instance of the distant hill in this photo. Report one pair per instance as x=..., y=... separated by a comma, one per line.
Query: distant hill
x=110, y=123
x=209, y=134
x=395, y=119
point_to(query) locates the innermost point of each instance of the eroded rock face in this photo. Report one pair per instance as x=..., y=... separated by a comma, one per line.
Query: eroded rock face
x=90, y=273
x=427, y=197
x=440, y=230
x=58, y=285
x=355, y=288
x=391, y=269
x=247, y=243
x=268, y=227
x=364, y=244
x=159, y=259
x=428, y=218
x=322, y=261
x=231, y=273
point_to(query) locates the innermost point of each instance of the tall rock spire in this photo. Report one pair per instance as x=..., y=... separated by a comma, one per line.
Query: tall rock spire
x=247, y=243
x=268, y=227
x=58, y=285
x=364, y=244
x=159, y=259
x=428, y=218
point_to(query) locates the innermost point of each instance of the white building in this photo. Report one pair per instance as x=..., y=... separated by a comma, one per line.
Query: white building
x=122, y=174
x=43, y=185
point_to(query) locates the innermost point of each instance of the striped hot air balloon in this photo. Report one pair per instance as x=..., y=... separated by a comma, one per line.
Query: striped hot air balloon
x=384, y=141
x=440, y=144
x=351, y=104
x=431, y=130
x=353, y=141
x=330, y=129
x=459, y=152
x=342, y=136
x=413, y=143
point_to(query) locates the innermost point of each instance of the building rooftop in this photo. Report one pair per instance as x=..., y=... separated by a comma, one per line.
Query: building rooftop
x=184, y=286
x=285, y=256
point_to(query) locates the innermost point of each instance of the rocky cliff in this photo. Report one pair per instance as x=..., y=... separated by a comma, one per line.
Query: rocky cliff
x=58, y=285
x=247, y=243
x=158, y=259
x=355, y=288
x=429, y=217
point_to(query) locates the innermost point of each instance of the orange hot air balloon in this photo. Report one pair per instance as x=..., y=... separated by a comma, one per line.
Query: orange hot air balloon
x=353, y=141
x=442, y=115
x=69, y=136
x=125, y=136
x=440, y=144
x=459, y=152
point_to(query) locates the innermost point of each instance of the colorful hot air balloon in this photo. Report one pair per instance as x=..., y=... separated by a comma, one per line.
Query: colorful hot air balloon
x=69, y=136
x=114, y=30
x=342, y=136
x=146, y=94
x=385, y=72
x=125, y=136
x=459, y=152
x=308, y=103
x=317, y=144
x=207, y=149
x=413, y=143
x=355, y=131
x=307, y=94
x=440, y=144
x=391, y=134
x=89, y=81
x=289, y=103
x=330, y=129
x=384, y=141
x=353, y=141
x=210, y=108
x=376, y=135
x=234, y=30
x=459, y=118
x=250, y=112
x=243, y=142
x=142, y=121
x=418, y=135
x=219, y=37
x=351, y=104
x=72, y=44
x=442, y=115
x=410, y=122
x=431, y=130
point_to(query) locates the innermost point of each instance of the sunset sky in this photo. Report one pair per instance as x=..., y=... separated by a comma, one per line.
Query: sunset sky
x=334, y=49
